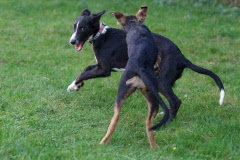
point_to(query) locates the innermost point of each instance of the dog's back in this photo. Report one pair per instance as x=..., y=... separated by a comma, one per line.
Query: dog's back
x=141, y=45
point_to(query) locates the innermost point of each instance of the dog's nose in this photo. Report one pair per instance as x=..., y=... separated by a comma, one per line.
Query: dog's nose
x=73, y=39
x=72, y=42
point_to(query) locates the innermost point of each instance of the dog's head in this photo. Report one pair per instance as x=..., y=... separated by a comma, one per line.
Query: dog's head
x=84, y=27
x=139, y=18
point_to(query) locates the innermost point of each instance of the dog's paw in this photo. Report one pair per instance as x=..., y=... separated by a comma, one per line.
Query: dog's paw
x=72, y=87
x=154, y=146
x=75, y=86
x=104, y=141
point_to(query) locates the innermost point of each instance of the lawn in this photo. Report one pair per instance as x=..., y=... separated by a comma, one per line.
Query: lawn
x=39, y=119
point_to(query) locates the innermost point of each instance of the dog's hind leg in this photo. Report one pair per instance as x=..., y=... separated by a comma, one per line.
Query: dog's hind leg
x=173, y=100
x=112, y=125
x=153, y=107
x=122, y=96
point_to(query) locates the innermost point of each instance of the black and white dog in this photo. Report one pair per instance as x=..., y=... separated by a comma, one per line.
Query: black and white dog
x=110, y=50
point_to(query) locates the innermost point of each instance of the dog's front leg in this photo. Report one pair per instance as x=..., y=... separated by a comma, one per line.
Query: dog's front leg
x=92, y=72
x=76, y=85
x=90, y=67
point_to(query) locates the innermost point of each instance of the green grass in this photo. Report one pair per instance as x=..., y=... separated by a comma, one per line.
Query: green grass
x=39, y=119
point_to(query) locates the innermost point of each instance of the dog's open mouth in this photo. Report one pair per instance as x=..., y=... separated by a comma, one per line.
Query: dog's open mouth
x=79, y=46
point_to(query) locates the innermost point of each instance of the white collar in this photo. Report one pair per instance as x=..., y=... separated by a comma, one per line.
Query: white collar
x=102, y=30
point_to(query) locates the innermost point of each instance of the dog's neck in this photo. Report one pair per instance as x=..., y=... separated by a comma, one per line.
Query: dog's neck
x=131, y=24
x=102, y=30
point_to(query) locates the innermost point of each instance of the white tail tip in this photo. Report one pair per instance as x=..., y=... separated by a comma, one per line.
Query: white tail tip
x=222, y=93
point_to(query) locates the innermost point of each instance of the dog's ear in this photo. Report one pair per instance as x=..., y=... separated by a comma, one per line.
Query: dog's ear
x=97, y=16
x=121, y=18
x=85, y=12
x=142, y=14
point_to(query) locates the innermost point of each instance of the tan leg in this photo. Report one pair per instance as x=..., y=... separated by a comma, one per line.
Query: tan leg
x=155, y=112
x=113, y=123
x=112, y=126
x=149, y=120
x=149, y=124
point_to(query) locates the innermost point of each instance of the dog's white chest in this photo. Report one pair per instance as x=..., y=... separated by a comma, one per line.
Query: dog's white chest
x=96, y=59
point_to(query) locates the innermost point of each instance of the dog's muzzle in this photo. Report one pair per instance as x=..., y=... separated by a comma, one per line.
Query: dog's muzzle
x=73, y=40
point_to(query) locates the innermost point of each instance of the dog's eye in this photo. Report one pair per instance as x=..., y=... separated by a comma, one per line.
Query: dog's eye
x=83, y=29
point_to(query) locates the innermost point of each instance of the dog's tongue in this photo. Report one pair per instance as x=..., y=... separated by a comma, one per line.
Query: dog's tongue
x=79, y=46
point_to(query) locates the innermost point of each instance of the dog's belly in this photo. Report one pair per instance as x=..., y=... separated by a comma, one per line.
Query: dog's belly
x=118, y=69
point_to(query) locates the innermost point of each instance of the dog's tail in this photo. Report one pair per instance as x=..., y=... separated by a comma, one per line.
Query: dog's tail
x=147, y=81
x=215, y=77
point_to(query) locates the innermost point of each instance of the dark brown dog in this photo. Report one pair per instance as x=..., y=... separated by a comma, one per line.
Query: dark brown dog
x=142, y=53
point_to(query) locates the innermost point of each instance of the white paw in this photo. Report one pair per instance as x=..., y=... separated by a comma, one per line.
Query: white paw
x=72, y=87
